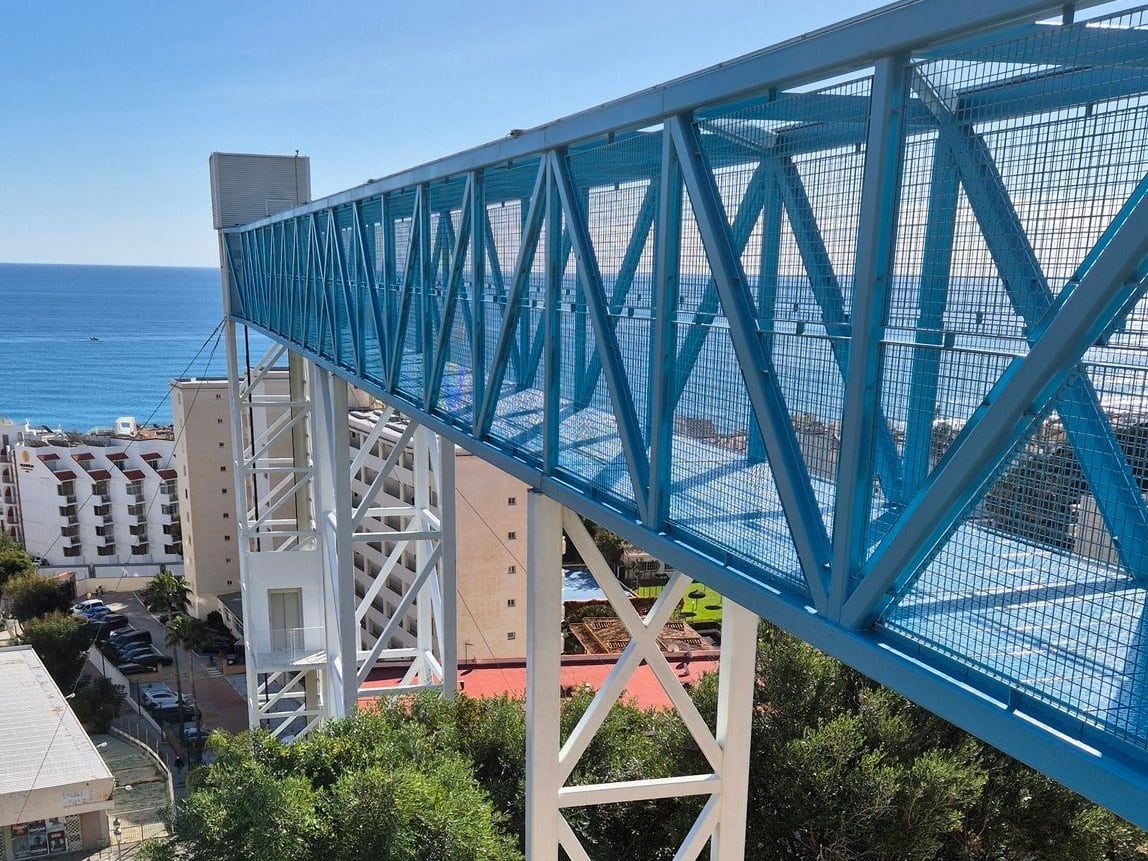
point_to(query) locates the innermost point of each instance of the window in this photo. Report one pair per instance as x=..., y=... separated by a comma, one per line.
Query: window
x=511, y=569
x=221, y=445
x=512, y=500
x=218, y=396
x=223, y=469
x=185, y=493
x=227, y=515
x=226, y=537
x=511, y=635
x=510, y=602
x=223, y=490
x=219, y=421
x=228, y=561
x=511, y=536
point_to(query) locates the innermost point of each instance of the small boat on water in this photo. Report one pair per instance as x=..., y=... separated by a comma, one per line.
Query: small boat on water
x=93, y=338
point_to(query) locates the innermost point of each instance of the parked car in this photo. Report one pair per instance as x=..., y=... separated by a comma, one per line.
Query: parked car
x=123, y=632
x=135, y=651
x=153, y=658
x=159, y=701
x=133, y=669
x=88, y=605
x=110, y=622
x=155, y=694
x=140, y=637
x=176, y=714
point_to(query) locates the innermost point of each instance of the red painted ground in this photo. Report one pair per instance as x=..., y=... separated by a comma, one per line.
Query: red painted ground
x=491, y=678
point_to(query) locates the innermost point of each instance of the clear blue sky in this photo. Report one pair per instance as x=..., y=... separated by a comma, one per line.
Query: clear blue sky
x=108, y=111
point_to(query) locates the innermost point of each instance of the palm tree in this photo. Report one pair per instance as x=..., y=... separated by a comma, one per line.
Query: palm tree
x=190, y=634
x=167, y=594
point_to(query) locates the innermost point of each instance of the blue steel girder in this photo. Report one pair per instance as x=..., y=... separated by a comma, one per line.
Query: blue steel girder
x=623, y=281
x=532, y=226
x=863, y=420
x=1087, y=427
x=663, y=349
x=831, y=305
x=786, y=463
x=1107, y=292
x=284, y=283
x=590, y=280
x=453, y=289
x=936, y=268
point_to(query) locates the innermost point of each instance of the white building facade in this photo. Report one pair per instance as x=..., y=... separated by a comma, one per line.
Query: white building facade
x=106, y=503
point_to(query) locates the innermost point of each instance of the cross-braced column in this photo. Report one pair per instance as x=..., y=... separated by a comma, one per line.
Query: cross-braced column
x=721, y=822
x=399, y=530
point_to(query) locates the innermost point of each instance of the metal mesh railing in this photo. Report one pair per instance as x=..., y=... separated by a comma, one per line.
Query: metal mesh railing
x=665, y=321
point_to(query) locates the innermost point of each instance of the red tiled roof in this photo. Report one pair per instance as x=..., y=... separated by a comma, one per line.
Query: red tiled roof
x=64, y=475
x=117, y=455
x=166, y=473
x=99, y=474
x=48, y=457
x=494, y=678
x=151, y=455
x=133, y=474
x=84, y=455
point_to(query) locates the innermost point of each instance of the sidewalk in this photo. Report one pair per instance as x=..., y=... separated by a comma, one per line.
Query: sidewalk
x=140, y=797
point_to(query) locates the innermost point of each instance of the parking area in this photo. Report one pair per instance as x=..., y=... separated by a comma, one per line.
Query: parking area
x=200, y=677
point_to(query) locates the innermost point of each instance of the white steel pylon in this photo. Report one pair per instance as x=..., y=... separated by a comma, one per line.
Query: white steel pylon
x=549, y=763
x=310, y=506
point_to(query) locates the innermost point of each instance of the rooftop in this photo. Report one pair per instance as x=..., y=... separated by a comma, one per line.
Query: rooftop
x=50, y=764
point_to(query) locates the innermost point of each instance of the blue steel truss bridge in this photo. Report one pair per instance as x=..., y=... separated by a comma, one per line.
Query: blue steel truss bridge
x=851, y=329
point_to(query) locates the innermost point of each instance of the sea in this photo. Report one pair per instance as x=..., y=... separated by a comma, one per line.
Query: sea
x=83, y=345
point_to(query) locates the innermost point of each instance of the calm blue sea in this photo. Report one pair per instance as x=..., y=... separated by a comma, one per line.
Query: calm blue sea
x=152, y=324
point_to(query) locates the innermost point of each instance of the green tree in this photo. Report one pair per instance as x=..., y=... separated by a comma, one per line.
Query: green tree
x=61, y=643
x=97, y=703
x=166, y=593
x=184, y=632
x=376, y=785
x=13, y=561
x=29, y=595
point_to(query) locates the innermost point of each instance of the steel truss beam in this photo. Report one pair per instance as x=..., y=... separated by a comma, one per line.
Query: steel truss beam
x=550, y=766
x=371, y=285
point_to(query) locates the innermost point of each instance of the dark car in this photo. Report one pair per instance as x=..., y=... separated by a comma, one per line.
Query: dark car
x=133, y=669
x=139, y=638
x=153, y=658
x=101, y=628
x=177, y=714
x=138, y=651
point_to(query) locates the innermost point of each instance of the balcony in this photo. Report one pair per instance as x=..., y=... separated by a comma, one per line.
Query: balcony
x=73, y=552
x=140, y=549
x=173, y=549
x=290, y=647
x=137, y=510
x=106, y=550
x=138, y=529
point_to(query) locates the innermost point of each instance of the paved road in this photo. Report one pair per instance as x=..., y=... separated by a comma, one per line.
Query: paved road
x=221, y=705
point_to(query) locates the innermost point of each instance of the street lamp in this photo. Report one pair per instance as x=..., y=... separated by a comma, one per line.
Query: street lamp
x=116, y=831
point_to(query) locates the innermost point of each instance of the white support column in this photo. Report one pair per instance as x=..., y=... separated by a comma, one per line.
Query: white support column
x=543, y=668
x=332, y=490
x=240, y=487
x=448, y=575
x=424, y=641
x=734, y=725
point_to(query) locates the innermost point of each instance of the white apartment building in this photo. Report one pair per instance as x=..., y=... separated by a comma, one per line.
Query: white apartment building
x=200, y=412
x=490, y=533
x=9, y=502
x=490, y=512
x=105, y=502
